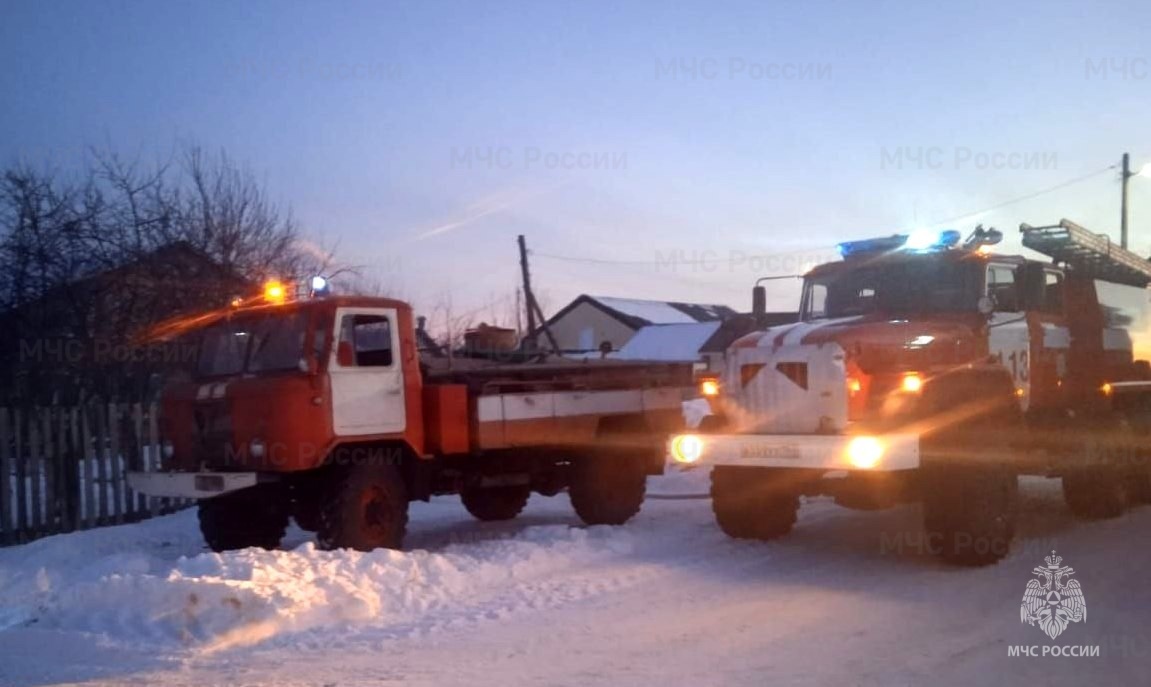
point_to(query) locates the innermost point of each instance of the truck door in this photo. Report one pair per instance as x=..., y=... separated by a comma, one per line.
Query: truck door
x=366, y=375
x=1050, y=336
x=1008, y=339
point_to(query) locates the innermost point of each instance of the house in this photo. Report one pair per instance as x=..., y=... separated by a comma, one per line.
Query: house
x=705, y=343
x=593, y=323
x=83, y=335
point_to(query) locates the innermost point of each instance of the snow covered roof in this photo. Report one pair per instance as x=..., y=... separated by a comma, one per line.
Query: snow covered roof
x=670, y=342
x=636, y=312
x=655, y=312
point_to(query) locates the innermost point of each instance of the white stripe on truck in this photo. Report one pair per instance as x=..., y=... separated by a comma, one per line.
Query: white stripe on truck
x=508, y=407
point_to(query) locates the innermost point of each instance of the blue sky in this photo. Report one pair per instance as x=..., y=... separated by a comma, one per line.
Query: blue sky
x=675, y=150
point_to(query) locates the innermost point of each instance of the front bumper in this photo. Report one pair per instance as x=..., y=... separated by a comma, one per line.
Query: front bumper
x=190, y=485
x=872, y=453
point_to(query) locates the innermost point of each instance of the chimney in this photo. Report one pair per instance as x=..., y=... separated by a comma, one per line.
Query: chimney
x=420, y=322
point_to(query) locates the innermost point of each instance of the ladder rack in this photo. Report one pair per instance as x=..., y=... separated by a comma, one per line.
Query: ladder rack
x=1087, y=253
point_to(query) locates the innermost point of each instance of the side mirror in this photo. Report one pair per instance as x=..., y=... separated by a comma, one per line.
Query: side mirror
x=985, y=305
x=759, y=302
x=345, y=355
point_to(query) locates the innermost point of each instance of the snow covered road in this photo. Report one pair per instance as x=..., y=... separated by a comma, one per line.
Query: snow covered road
x=849, y=598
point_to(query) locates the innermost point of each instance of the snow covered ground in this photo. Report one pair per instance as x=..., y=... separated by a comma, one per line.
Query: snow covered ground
x=849, y=599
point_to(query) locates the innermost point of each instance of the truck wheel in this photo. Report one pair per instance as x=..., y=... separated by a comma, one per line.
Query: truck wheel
x=754, y=503
x=364, y=507
x=1095, y=494
x=256, y=516
x=496, y=503
x=969, y=513
x=607, y=489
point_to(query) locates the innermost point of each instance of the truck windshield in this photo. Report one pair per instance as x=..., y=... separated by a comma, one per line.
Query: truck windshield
x=265, y=343
x=924, y=284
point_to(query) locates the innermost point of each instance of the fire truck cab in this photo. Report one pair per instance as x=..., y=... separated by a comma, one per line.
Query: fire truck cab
x=922, y=369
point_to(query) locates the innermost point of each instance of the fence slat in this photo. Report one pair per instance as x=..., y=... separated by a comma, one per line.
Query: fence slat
x=117, y=464
x=76, y=463
x=102, y=461
x=7, y=531
x=36, y=521
x=21, y=460
x=155, y=453
x=91, y=502
x=49, y=458
x=137, y=463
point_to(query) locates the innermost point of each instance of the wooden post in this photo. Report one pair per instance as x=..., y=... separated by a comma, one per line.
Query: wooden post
x=78, y=453
x=20, y=458
x=92, y=501
x=48, y=465
x=102, y=461
x=139, y=503
x=6, y=529
x=117, y=465
x=34, y=458
x=155, y=457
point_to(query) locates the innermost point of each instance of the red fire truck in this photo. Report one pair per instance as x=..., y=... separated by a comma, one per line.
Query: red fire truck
x=322, y=410
x=926, y=369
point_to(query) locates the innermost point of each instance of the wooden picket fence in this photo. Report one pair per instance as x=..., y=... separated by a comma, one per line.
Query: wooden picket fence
x=64, y=468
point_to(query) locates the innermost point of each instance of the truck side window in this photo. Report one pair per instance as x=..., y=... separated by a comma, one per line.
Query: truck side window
x=370, y=337
x=1053, y=293
x=817, y=306
x=1002, y=289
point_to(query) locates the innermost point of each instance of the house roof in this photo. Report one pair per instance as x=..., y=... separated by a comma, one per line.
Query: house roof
x=638, y=313
x=682, y=342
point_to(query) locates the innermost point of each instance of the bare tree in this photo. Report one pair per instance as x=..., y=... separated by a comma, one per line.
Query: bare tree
x=87, y=260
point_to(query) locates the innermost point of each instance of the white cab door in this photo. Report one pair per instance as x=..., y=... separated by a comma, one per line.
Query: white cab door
x=1008, y=338
x=366, y=374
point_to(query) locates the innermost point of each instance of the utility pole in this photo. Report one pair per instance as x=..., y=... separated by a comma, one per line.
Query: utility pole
x=1123, y=204
x=533, y=307
x=528, y=282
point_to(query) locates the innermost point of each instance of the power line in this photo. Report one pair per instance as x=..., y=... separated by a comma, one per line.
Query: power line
x=702, y=260
x=1029, y=196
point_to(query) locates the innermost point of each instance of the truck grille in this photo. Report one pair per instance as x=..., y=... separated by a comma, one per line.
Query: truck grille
x=791, y=389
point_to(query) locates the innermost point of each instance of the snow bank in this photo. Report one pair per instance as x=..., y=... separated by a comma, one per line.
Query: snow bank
x=81, y=582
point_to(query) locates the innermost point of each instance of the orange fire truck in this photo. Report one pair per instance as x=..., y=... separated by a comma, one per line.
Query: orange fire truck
x=321, y=409
x=926, y=369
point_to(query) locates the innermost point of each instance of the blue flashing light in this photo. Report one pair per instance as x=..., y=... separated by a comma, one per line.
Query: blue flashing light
x=920, y=240
x=880, y=245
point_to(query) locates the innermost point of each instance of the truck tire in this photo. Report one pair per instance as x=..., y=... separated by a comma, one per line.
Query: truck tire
x=256, y=516
x=496, y=503
x=969, y=513
x=608, y=488
x=364, y=507
x=754, y=503
x=1096, y=493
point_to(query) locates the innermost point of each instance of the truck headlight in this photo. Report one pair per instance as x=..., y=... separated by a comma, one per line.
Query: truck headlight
x=686, y=448
x=864, y=452
x=167, y=449
x=911, y=383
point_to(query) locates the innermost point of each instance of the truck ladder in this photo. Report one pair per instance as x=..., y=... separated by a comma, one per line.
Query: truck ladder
x=1087, y=253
